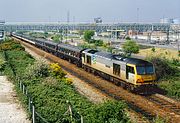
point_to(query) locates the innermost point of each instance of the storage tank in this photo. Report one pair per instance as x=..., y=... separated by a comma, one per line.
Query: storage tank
x=176, y=21
x=166, y=20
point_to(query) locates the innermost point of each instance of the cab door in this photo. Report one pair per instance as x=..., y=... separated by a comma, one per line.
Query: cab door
x=130, y=73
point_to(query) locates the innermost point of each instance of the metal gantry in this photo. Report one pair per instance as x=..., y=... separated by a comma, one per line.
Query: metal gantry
x=96, y=27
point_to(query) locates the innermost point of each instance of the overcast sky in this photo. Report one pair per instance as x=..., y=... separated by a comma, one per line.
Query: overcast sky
x=86, y=10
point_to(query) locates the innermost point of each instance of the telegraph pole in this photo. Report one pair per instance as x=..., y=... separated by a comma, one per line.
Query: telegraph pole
x=68, y=15
x=137, y=15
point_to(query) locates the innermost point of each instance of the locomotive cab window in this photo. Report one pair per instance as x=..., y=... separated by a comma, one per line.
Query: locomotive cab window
x=129, y=69
x=89, y=60
x=116, y=69
x=83, y=55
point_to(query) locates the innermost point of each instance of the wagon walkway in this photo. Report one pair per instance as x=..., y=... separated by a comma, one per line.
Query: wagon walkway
x=10, y=109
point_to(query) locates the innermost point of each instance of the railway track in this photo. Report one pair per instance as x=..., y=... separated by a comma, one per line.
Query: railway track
x=145, y=107
x=166, y=103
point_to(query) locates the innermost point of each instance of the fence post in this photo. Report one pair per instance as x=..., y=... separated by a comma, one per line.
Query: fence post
x=33, y=113
x=29, y=104
x=26, y=91
x=70, y=111
x=23, y=88
x=81, y=119
x=20, y=85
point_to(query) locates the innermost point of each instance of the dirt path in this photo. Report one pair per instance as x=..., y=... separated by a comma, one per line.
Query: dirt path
x=10, y=109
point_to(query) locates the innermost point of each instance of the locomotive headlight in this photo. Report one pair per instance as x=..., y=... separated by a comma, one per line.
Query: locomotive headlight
x=140, y=80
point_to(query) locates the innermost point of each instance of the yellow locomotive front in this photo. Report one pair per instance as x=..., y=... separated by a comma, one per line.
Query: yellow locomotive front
x=140, y=72
x=145, y=74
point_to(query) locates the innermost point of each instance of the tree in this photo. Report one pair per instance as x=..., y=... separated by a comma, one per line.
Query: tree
x=130, y=47
x=128, y=38
x=153, y=49
x=98, y=42
x=88, y=35
x=46, y=34
x=80, y=32
x=56, y=38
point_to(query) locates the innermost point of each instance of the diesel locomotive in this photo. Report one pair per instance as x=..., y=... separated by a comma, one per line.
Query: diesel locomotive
x=130, y=73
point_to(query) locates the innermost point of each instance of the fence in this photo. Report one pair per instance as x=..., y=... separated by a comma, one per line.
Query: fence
x=36, y=117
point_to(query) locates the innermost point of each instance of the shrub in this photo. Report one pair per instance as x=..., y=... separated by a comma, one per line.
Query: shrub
x=49, y=81
x=128, y=38
x=130, y=47
x=39, y=69
x=88, y=34
x=107, y=112
x=57, y=71
x=153, y=49
x=162, y=67
x=2, y=62
x=69, y=81
x=11, y=45
x=159, y=120
x=98, y=42
x=176, y=62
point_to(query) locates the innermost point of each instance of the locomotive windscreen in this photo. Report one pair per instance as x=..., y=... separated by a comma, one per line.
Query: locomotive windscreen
x=143, y=70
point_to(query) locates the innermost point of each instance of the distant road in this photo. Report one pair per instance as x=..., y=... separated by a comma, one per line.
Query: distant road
x=142, y=42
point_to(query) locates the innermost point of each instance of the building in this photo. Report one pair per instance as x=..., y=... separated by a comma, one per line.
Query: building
x=169, y=21
x=2, y=33
x=98, y=20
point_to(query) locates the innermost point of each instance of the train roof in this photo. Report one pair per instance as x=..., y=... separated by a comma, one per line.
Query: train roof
x=111, y=56
x=104, y=54
x=70, y=47
x=66, y=46
x=136, y=61
x=46, y=41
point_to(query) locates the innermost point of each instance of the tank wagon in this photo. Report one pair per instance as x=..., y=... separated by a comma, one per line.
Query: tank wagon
x=130, y=73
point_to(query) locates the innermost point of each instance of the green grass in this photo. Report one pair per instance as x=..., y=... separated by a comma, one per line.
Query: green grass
x=172, y=85
x=168, y=75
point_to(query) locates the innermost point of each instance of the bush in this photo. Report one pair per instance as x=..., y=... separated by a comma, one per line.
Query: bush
x=2, y=62
x=88, y=35
x=176, y=62
x=38, y=69
x=99, y=43
x=162, y=67
x=159, y=120
x=108, y=112
x=153, y=49
x=53, y=98
x=11, y=45
x=130, y=47
x=49, y=81
x=69, y=81
x=128, y=38
x=57, y=71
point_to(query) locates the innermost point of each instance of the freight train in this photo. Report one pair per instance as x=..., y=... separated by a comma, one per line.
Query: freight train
x=130, y=73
